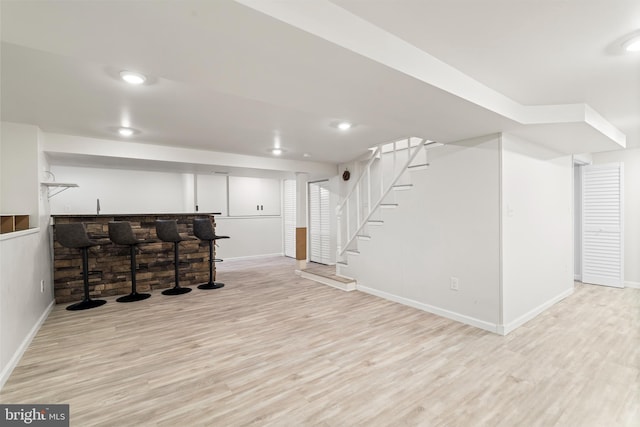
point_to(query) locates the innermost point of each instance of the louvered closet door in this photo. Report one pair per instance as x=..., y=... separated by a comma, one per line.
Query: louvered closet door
x=319, y=226
x=290, y=218
x=602, y=225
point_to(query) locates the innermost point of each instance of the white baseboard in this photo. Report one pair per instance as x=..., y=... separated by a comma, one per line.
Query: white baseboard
x=468, y=320
x=630, y=284
x=7, y=370
x=238, y=258
x=505, y=329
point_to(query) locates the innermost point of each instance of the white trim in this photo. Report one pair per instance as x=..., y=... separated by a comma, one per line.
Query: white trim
x=505, y=329
x=14, y=234
x=577, y=277
x=254, y=256
x=487, y=326
x=630, y=284
x=6, y=372
x=348, y=287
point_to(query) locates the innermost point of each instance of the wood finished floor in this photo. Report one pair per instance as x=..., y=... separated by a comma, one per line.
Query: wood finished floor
x=274, y=349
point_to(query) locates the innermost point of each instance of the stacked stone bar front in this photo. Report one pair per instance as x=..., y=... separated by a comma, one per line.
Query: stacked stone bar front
x=109, y=264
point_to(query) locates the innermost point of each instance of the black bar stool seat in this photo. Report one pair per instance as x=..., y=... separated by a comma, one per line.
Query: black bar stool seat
x=75, y=236
x=121, y=233
x=203, y=230
x=167, y=231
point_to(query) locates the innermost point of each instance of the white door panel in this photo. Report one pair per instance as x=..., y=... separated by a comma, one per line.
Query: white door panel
x=602, y=225
x=319, y=222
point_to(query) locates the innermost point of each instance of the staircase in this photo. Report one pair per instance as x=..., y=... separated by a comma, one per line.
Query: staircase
x=384, y=173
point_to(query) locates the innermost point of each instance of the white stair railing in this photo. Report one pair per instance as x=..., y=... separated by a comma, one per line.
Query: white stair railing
x=372, y=186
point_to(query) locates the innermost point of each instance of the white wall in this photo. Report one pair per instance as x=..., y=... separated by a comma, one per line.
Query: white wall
x=120, y=191
x=24, y=262
x=25, y=256
x=249, y=236
x=19, y=165
x=131, y=191
x=212, y=193
x=537, y=229
x=447, y=225
x=631, y=160
x=577, y=222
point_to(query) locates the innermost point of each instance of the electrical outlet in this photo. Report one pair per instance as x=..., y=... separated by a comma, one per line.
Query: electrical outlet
x=41, y=285
x=455, y=283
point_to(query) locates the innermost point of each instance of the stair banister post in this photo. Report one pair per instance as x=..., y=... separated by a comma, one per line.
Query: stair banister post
x=369, y=193
x=348, y=220
x=381, y=171
x=339, y=228
x=358, y=202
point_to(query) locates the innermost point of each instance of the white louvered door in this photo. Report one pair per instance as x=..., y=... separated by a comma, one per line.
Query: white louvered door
x=290, y=218
x=319, y=222
x=602, y=225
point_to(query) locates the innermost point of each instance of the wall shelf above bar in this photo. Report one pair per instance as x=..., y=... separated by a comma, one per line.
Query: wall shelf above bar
x=58, y=186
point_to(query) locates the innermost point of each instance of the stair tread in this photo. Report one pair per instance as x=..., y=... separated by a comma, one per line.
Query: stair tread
x=402, y=187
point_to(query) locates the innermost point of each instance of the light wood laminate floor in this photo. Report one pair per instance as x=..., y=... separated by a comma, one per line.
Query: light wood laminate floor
x=272, y=348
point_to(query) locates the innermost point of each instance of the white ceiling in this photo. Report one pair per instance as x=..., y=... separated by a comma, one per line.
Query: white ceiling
x=227, y=77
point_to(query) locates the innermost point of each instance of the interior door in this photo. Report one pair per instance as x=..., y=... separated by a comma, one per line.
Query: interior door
x=319, y=222
x=602, y=225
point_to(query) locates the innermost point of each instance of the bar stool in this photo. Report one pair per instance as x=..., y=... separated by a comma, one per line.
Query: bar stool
x=203, y=229
x=167, y=231
x=120, y=233
x=75, y=236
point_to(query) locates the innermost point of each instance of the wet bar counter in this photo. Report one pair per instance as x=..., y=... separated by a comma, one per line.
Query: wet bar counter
x=110, y=264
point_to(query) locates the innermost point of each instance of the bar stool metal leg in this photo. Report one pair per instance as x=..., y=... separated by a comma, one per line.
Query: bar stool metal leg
x=212, y=284
x=134, y=295
x=177, y=289
x=87, y=302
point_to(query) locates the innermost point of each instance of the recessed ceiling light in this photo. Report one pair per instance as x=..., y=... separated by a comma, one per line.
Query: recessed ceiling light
x=132, y=78
x=344, y=125
x=307, y=155
x=632, y=45
x=276, y=151
x=126, y=131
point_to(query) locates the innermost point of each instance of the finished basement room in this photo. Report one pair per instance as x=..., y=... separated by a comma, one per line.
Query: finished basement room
x=320, y=213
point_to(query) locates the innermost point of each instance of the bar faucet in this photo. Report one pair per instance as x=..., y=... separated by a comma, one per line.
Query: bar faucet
x=97, y=206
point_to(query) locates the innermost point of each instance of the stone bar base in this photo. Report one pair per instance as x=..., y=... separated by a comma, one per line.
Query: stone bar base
x=109, y=264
